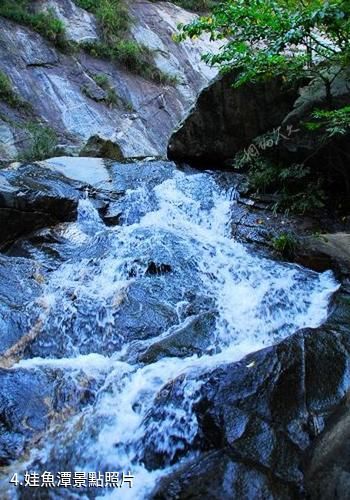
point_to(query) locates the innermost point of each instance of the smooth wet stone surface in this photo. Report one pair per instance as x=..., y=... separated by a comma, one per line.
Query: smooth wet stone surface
x=32, y=197
x=92, y=171
x=20, y=284
x=192, y=337
x=264, y=412
x=328, y=467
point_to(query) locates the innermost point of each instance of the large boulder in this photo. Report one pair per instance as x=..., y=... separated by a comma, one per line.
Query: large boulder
x=32, y=197
x=256, y=418
x=226, y=119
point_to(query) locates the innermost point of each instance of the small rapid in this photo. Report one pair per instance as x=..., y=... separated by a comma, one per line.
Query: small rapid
x=159, y=301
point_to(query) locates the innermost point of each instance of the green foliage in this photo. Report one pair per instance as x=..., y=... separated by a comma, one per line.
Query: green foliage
x=102, y=80
x=9, y=96
x=5, y=85
x=112, y=15
x=307, y=198
x=285, y=244
x=134, y=57
x=89, y=5
x=296, y=41
x=43, y=143
x=295, y=185
x=44, y=23
x=111, y=97
x=262, y=39
x=7, y=93
x=196, y=5
x=116, y=43
x=334, y=122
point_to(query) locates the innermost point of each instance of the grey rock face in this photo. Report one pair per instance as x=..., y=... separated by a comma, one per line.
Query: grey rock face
x=140, y=123
x=32, y=197
x=80, y=25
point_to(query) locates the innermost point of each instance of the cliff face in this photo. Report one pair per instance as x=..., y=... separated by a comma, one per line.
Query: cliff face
x=61, y=91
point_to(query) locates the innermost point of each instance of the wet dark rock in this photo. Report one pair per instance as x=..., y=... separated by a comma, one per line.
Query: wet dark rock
x=226, y=119
x=20, y=284
x=112, y=216
x=158, y=269
x=136, y=314
x=217, y=475
x=149, y=320
x=321, y=240
x=48, y=395
x=266, y=410
x=152, y=269
x=32, y=197
x=328, y=469
x=192, y=337
x=19, y=422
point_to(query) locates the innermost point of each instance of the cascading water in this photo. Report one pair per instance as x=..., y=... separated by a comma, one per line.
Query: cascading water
x=116, y=319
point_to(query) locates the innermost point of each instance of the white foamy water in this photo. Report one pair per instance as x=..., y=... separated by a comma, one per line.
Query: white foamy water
x=183, y=223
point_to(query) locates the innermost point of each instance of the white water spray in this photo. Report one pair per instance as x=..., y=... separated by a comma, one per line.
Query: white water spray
x=183, y=223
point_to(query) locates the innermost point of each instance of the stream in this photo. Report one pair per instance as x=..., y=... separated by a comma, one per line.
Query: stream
x=128, y=312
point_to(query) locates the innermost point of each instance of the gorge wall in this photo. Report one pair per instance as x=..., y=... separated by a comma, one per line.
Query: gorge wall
x=61, y=90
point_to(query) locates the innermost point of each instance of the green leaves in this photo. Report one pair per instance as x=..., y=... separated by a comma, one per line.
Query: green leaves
x=8, y=94
x=335, y=122
x=44, y=23
x=269, y=38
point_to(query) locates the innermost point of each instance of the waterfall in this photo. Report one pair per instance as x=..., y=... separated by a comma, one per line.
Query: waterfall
x=117, y=297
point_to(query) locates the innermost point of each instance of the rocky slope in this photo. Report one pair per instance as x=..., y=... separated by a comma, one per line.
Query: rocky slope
x=257, y=418
x=60, y=89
